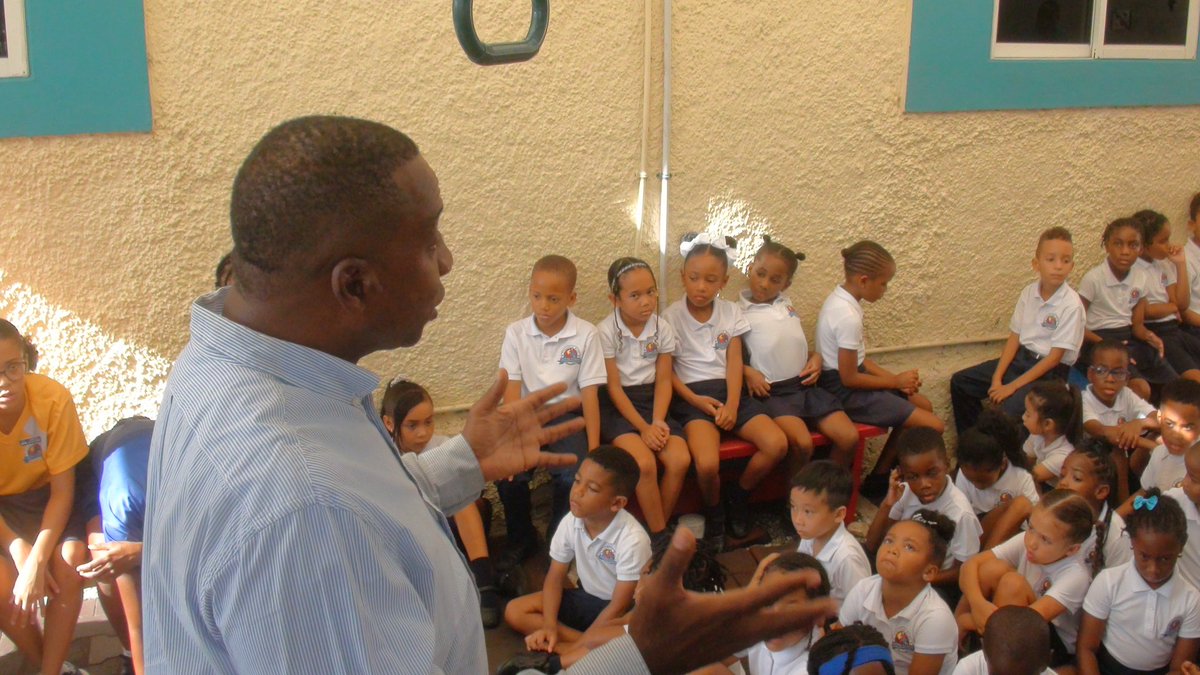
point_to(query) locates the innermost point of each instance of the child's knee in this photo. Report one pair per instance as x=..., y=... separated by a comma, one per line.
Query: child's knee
x=1013, y=589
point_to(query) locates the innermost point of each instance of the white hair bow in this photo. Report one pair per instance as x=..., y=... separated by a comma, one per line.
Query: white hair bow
x=718, y=242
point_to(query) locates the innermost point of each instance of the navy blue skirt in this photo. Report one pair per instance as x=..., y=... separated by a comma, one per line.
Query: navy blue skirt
x=887, y=408
x=684, y=412
x=791, y=398
x=613, y=424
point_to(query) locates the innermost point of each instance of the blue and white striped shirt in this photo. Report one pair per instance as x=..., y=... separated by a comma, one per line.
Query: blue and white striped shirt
x=284, y=534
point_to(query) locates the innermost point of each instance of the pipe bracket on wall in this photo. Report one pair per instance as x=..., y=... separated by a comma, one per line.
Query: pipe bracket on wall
x=486, y=54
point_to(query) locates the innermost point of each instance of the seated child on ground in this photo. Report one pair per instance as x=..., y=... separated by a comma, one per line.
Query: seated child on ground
x=1164, y=266
x=1141, y=617
x=1115, y=413
x=1090, y=473
x=992, y=473
x=919, y=482
x=551, y=346
x=1038, y=569
x=857, y=649
x=1045, y=335
x=1016, y=642
x=609, y=548
x=1054, y=419
x=1179, y=421
x=899, y=601
x=1187, y=495
x=407, y=413
x=819, y=495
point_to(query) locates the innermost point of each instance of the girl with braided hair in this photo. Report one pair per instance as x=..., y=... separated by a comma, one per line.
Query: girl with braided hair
x=1090, y=472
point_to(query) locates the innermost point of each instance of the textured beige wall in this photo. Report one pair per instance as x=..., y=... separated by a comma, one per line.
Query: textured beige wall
x=790, y=123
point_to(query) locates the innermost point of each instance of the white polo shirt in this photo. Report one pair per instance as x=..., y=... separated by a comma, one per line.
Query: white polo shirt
x=1111, y=301
x=538, y=360
x=1127, y=407
x=840, y=326
x=703, y=348
x=1188, y=566
x=1160, y=275
x=1143, y=622
x=1117, y=548
x=778, y=348
x=843, y=559
x=618, y=554
x=1192, y=252
x=1043, y=325
x=1066, y=581
x=1014, y=482
x=636, y=356
x=1164, y=470
x=953, y=504
x=1050, y=455
x=925, y=626
x=976, y=664
x=790, y=661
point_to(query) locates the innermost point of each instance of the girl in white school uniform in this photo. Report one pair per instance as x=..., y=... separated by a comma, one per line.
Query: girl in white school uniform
x=1054, y=419
x=869, y=393
x=1164, y=265
x=1114, y=294
x=780, y=372
x=638, y=348
x=1090, y=472
x=1141, y=617
x=708, y=385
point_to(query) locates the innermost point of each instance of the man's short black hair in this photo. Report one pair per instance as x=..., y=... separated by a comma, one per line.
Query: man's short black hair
x=310, y=178
x=621, y=465
x=827, y=478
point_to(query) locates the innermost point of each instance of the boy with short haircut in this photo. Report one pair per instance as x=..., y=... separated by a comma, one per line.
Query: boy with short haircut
x=819, y=498
x=922, y=481
x=1112, y=411
x=609, y=548
x=1188, y=496
x=552, y=345
x=1046, y=333
x=1179, y=422
x=1015, y=642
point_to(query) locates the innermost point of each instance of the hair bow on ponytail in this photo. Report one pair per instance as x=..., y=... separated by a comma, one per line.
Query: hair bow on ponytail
x=704, y=239
x=1147, y=503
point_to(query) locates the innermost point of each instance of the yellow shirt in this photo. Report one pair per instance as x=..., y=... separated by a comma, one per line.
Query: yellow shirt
x=46, y=440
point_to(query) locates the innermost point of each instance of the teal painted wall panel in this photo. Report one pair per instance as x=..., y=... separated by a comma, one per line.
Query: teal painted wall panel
x=87, y=71
x=950, y=69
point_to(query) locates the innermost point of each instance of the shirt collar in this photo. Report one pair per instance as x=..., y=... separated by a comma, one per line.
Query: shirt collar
x=875, y=603
x=845, y=295
x=1189, y=507
x=300, y=366
x=1055, y=298
x=746, y=303
x=1110, y=279
x=831, y=546
x=608, y=534
x=1136, y=584
x=568, y=330
x=647, y=331
x=696, y=324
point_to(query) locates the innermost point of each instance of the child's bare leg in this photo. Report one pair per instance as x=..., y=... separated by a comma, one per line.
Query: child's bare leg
x=26, y=637
x=842, y=434
x=675, y=460
x=1004, y=521
x=524, y=614
x=1140, y=387
x=1121, y=462
x=470, y=528
x=799, y=440
x=704, y=443
x=772, y=445
x=648, y=496
x=1013, y=589
x=568, y=638
x=107, y=592
x=593, y=638
x=921, y=417
x=62, y=610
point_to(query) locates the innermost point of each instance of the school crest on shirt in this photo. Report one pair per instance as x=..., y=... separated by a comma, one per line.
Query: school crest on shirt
x=34, y=448
x=722, y=341
x=1134, y=296
x=1006, y=497
x=570, y=356
x=1120, y=421
x=607, y=554
x=1173, y=627
x=650, y=350
x=792, y=312
x=901, y=642
x=1050, y=322
x=1044, y=586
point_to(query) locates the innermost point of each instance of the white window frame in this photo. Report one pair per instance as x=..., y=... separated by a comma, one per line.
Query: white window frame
x=1097, y=49
x=16, y=64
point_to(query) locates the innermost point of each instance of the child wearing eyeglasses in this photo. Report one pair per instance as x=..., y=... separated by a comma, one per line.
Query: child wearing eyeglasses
x=1113, y=412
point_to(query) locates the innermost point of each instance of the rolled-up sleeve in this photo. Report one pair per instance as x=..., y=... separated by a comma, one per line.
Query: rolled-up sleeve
x=449, y=475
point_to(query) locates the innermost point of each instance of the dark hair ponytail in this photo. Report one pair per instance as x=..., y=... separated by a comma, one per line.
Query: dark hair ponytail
x=1060, y=403
x=790, y=258
x=622, y=265
x=9, y=332
x=400, y=398
x=1150, y=223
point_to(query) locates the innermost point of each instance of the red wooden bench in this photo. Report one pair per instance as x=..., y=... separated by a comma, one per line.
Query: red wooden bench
x=777, y=484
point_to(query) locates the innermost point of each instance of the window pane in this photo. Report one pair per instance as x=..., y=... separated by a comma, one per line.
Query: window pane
x=1045, y=21
x=1146, y=22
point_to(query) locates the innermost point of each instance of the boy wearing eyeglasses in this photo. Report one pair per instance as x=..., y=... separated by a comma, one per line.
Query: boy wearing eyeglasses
x=1113, y=412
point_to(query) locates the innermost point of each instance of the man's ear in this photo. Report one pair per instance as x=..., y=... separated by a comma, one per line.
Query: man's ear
x=353, y=282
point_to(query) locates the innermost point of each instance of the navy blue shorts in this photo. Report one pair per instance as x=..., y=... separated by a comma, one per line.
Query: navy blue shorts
x=879, y=407
x=684, y=412
x=791, y=398
x=579, y=608
x=614, y=424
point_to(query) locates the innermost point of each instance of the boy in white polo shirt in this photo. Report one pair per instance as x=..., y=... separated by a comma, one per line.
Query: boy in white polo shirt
x=1179, y=422
x=1015, y=642
x=609, y=548
x=820, y=494
x=553, y=345
x=1187, y=495
x=1046, y=332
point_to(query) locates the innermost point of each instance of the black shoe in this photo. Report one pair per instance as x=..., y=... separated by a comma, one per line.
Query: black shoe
x=714, y=528
x=514, y=555
x=738, y=515
x=511, y=583
x=489, y=606
x=537, y=661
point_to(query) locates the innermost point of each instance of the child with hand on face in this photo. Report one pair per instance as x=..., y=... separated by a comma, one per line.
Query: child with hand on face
x=818, y=500
x=922, y=481
x=1140, y=617
x=1179, y=422
x=899, y=601
x=609, y=547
